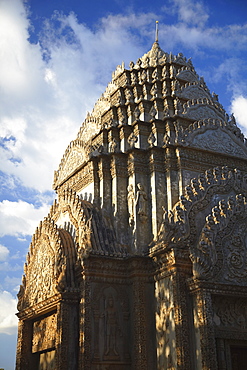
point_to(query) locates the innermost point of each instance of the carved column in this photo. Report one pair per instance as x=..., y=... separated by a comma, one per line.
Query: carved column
x=67, y=335
x=158, y=131
x=221, y=354
x=158, y=188
x=172, y=177
x=124, y=134
x=140, y=343
x=119, y=196
x=203, y=307
x=141, y=130
x=182, y=320
x=105, y=183
x=143, y=316
x=24, y=358
x=141, y=228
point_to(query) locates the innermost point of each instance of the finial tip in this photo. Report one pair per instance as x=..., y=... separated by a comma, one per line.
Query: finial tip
x=156, y=31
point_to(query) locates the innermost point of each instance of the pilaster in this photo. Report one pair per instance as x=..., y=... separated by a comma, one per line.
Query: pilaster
x=67, y=335
x=104, y=182
x=119, y=196
x=24, y=358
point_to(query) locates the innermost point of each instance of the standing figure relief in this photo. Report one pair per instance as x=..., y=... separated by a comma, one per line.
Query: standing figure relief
x=112, y=328
x=137, y=202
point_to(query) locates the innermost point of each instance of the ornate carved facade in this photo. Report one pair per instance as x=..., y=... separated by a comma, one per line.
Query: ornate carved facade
x=142, y=261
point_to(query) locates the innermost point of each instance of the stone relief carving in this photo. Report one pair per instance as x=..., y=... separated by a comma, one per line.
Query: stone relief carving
x=41, y=280
x=198, y=111
x=192, y=90
x=164, y=323
x=74, y=156
x=155, y=56
x=44, y=333
x=131, y=203
x=132, y=140
x=177, y=223
x=218, y=141
x=141, y=202
x=196, y=135
x=113, y=146
x=151, y=139
x=230, y=313
x=187, y=75
x=221, y=251
x=153, y=112
x=137, y=113
x=111, y=319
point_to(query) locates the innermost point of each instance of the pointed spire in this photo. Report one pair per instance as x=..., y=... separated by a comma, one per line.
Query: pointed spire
x=157, y=31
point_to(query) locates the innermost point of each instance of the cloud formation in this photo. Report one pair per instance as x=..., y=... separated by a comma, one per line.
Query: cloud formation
x=20, y=218
x=8, y=320
x=239, y=108
x=4, y=253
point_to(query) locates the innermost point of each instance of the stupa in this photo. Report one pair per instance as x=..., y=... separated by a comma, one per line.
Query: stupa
x=141, y=262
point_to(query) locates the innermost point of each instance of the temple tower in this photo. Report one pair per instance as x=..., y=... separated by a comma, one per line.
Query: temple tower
x=141, y=261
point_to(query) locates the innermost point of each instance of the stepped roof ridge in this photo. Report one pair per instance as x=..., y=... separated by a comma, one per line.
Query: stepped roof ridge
x=159, y=86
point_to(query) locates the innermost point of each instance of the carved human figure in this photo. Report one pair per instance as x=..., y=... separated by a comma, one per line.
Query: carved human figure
x=131, y=203
x=113, y=146
x=111, y=327
x=141, y=202
x=129, y=96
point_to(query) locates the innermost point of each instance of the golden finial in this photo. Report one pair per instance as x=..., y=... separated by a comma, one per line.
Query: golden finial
x=156, y=31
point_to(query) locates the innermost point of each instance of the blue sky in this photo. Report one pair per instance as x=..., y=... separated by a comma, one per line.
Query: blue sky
x=56, y=58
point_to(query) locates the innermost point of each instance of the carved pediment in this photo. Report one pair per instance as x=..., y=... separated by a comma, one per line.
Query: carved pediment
x=180, y=59
x=187, y=75
x=219, y=141
x=193, y=91
x=48, y=269
x=75, y=156
x=182, y=225
x=221, y=252
x=202, y=111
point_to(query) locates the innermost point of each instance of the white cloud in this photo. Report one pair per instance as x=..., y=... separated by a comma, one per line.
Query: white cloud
x=191, y=12
x=239, y=108
x=20, y=218
x=6, y=266
x=4, y=253
x=8, y=320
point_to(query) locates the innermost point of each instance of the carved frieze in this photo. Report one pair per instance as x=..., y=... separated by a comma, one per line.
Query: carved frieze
x=230, y=313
